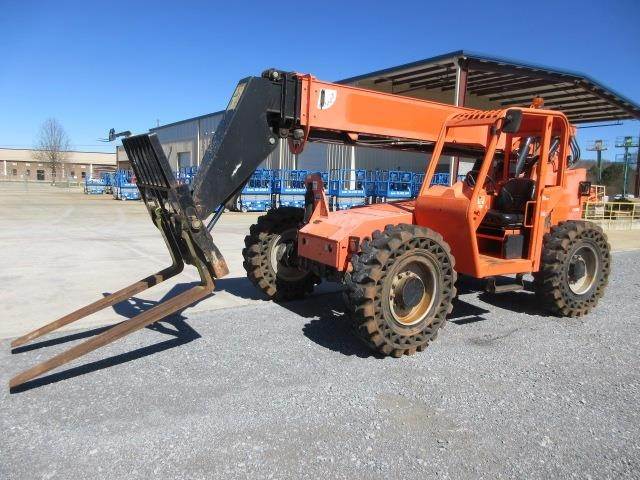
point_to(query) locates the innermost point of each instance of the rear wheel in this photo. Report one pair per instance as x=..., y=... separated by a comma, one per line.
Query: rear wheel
x=574, y=268
x=401, y=289
x=270, y=255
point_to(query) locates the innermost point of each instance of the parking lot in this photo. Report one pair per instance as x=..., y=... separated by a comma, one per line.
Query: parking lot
x=239, y=387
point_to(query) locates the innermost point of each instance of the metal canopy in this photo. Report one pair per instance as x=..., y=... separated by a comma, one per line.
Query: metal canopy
x=496, y=82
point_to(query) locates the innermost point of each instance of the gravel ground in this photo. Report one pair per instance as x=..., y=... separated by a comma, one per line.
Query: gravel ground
x=268, y=391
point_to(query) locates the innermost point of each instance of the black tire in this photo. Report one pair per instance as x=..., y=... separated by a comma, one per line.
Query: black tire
x=282, y=280
x=568, y=250
x=371, y=289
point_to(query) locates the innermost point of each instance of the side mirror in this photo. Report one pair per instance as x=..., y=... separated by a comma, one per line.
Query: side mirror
x=512, y=121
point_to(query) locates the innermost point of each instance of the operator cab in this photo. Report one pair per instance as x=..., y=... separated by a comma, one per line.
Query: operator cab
x=505, y=229
x=495, y=217
x=510, y=195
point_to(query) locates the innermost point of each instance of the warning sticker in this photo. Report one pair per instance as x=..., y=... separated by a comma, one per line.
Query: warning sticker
x=326, y=98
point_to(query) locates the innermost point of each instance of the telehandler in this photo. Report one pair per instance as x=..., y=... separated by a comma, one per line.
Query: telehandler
x=516, y=212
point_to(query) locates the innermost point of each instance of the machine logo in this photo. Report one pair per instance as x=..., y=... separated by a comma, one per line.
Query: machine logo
x=326, y=98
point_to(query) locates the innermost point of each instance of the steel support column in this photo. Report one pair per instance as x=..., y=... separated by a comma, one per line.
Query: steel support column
x=459, y=101
x=198, y=158
x=636, y=190
x=599, y=165
x=625, y=180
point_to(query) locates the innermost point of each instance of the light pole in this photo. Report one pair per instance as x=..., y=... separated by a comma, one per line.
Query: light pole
x=636, y=190
x=598, y=146
x=627, y=143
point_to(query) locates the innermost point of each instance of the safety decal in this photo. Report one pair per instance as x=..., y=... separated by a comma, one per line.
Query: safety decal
x=326, y=98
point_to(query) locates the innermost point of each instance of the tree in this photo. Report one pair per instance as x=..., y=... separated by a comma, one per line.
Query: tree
x=612, y=177
x=52, y=145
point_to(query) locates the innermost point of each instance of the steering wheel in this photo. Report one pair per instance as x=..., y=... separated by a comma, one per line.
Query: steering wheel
x=471, y=178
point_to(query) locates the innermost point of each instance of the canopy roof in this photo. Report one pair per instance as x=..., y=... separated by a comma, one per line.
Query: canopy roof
x=497, y=82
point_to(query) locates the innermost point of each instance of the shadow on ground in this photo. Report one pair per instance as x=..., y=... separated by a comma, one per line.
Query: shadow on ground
x=239, y=287
x=329, y=326
x=523, y=301
x=173, y=325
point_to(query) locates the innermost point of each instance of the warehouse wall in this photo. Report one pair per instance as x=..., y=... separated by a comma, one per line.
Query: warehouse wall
x=191, y=136
x=184, y=137
x=24, y=165
x=379, y=159
x=318, y=156
x=41, y=171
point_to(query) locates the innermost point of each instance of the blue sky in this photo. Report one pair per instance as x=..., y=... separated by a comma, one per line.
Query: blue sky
x=96, y=65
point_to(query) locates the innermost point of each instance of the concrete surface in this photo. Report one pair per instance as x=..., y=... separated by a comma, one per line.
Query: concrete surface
x=62, y=249
x=624, y=240
x=260, y=390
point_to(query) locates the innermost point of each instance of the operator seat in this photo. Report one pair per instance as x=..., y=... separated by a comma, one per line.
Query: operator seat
x=508, y=211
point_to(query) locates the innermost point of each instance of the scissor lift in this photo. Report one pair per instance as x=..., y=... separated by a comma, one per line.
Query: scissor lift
x=349, y=188
x=289, y=187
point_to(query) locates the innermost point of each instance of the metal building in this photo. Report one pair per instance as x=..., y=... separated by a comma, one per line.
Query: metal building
x=459, y=78
x=185, y=142
x=22, y=164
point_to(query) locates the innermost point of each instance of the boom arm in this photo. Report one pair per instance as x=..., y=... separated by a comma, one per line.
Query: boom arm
x=302, y=108
x=246, y=135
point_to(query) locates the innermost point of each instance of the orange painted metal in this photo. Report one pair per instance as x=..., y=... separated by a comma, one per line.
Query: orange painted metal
x=359, y=111
x=326, y=239
x=456, y=211
x=320, y=203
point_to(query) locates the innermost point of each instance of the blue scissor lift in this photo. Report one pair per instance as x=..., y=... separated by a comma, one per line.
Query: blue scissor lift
x=393, y=185
x=94, y=186
x=257, y=194
x=185, y=175
x=416, y=183
x=418, y=179
x=124, y=187
x=107, y=178
x=349, y=188
x=289, y=188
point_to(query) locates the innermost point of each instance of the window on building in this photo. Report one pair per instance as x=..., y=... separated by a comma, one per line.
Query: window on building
x=73, y=174
x=84, y=175
x=28, y=173
x=184, y=159
x=40, y=174
x=14, y=172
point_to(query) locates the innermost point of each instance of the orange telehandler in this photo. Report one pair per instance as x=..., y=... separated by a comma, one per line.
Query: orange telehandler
x=516, y=212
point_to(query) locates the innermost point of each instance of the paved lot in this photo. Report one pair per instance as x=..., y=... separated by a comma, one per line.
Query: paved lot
x=260, y=390
x=63, y=249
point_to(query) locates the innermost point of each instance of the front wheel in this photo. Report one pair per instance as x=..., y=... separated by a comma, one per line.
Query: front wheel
x=574, y=269
x=401, y=289
x=270, y=255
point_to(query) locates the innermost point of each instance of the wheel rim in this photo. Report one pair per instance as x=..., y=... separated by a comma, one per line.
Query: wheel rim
x=282, y=256
x=414, y=289
x=582, y=269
